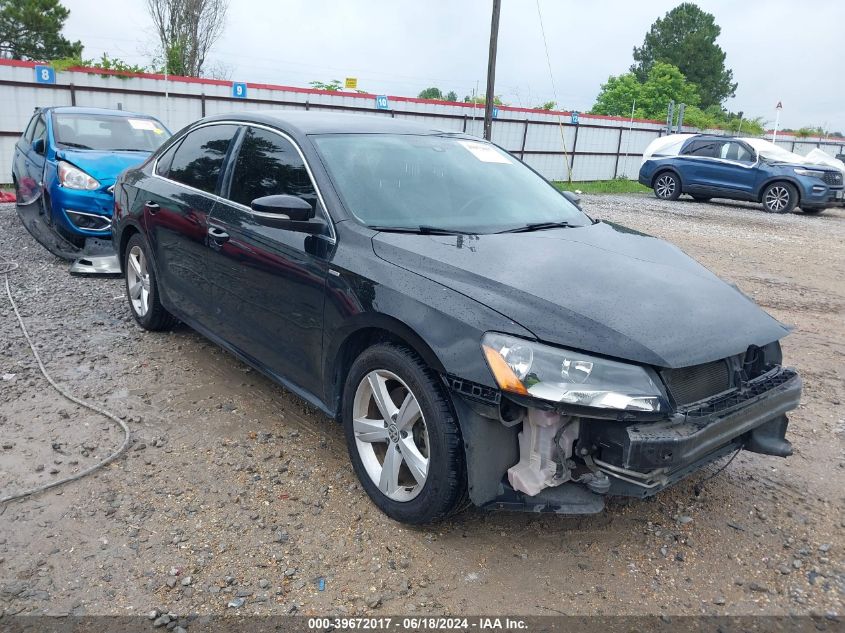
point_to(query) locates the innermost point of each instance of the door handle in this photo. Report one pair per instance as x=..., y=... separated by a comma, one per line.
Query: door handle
x=152, y=207
x=218, y=235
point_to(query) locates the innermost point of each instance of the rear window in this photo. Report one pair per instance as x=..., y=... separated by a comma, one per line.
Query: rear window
x=109, y=132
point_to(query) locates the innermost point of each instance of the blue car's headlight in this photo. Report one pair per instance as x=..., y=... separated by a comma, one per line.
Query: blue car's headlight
x=815, y=173
x=562, y=376
x=74, y=178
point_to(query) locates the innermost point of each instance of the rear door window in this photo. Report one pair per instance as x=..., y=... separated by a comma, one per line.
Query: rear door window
x=164, y=161
x=703, y=149
x=198, y=160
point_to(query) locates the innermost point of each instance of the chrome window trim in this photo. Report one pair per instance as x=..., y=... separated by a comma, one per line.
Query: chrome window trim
x=287, y=137
x=719, y=159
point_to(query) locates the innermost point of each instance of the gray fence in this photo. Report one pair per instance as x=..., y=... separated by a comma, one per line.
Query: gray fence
x=594, y=148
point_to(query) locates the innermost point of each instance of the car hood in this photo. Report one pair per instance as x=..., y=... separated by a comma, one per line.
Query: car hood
x=601, y=288
x=104, y=166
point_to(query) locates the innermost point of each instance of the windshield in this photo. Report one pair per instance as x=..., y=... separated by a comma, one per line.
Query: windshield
x=108, y=132
x=439, y=182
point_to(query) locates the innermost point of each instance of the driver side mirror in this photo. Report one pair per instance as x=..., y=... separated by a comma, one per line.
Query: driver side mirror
x=574, y=198
x=38, y=146
x=286, y=212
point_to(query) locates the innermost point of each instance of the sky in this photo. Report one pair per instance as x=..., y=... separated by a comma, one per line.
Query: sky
x=779, y=50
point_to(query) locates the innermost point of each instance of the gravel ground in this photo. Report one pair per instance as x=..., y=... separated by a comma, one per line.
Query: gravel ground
x=237, y=497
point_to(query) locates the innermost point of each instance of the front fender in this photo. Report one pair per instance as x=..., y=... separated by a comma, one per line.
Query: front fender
x=442, y=325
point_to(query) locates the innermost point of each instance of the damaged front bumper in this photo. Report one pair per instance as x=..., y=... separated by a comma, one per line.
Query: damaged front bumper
x=642, y=459
x=617, y=457
x=92, y=253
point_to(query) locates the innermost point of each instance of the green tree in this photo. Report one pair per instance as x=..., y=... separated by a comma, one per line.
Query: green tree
x=664, y=83
x=451, y=96
x=187, y=30
x=32, y=29
x=482, y=100
x=686, y=37
x=105, y=62
x=548, y=105
x=431, y=93
x=618, y=95
x=332, y=86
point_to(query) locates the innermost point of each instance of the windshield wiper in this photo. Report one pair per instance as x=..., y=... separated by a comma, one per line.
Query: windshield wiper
x=540, y=226
x=422, y=230
x=76, y=145
x=127, y=149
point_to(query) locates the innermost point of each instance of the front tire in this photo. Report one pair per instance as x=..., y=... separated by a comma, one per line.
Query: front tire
x=403, y=438
x=780, y=197
x=142, y=287
x=667, y=186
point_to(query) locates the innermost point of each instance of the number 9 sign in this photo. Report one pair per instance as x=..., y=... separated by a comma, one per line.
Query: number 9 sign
x=45, y=75
x=239, y=90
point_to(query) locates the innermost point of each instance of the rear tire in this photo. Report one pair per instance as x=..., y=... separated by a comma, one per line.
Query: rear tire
x=780, y=197
x=667, y=186
x=142, y=287
x=419, y=436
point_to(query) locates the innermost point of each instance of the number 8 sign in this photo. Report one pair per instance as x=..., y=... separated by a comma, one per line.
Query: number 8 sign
x=239, y=90
x=45, y=75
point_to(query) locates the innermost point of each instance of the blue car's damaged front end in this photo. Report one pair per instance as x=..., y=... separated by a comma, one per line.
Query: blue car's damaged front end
x=79, y=186
x=65, y=167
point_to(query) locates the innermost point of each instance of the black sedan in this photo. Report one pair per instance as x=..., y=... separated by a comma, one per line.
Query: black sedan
x=479, y=336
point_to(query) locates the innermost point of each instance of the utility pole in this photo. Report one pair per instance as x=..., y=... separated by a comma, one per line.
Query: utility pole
x=491, y=71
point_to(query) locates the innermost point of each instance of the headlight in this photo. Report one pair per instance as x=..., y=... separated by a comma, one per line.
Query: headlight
x=559, y=375
x=74, y=178
x=815, y=173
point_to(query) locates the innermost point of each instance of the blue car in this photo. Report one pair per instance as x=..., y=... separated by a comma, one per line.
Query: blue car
x=65, y=166
x=750, y=169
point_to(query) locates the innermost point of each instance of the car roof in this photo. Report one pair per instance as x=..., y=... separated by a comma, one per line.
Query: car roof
x=307, y=123
x=100, y=111
x=715, y=137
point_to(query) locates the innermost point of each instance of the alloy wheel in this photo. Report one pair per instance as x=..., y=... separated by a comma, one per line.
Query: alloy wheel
x=665, y=186
x=138, y=281
x=777, y=198
x=391, y=435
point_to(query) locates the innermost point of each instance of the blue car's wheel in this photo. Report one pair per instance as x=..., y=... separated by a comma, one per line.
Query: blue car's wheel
x=667, y=186
x=780, y=197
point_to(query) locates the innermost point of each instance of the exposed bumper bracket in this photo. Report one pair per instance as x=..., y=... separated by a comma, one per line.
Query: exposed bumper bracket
x=99, y=265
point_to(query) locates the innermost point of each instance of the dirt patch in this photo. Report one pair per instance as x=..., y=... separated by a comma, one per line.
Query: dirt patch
x=235, y=489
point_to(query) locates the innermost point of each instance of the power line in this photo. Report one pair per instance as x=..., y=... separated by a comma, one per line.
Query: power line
x=554, y=92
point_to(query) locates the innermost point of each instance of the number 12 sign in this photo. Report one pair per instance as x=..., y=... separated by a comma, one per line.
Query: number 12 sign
x=45, y=75
x=239, y=90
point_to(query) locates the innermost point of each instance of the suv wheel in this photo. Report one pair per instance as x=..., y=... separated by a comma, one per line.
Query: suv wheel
x=780, y=197
x=403, y=439
x=142, y=287
x=667, y=186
